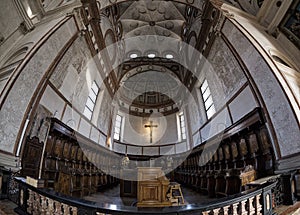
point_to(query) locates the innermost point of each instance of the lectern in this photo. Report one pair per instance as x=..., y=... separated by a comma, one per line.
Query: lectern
x=152, y=187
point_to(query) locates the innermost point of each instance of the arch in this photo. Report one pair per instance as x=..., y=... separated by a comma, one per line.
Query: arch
x=110, y=40
x=196, y=4
x=17, y=55
x=278, y=57
x=144, y=68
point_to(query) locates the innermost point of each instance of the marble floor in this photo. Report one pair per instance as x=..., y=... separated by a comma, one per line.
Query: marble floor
x=7, y=207
x=112, y=196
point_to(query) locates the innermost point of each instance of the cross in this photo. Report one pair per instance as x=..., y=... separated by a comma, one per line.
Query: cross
x=151, y=126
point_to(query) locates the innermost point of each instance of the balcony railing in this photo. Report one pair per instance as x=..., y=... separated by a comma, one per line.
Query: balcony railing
x=44, y=201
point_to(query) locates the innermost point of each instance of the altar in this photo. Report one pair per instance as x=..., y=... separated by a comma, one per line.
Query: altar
x=152, y=187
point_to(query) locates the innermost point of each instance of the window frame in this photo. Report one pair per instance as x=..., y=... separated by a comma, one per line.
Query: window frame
x=207, y=99
x=91, y=101
x=119, y=133
x=182, y=126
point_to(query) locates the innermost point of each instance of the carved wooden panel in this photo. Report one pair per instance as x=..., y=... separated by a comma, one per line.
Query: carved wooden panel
x=84, y=158
x=215, y=157
x=66, y=151
x=79, y=154
x=220, y=152
x=210, y=156
x=234, y=150
x=31, y=157
x=243, y=147
x=58, y=148
x=226, y=152
x=50, y=144
x=150, y=193
x=264, y=141
x=206, y=158
x=152, y=188
x=63, y=184
x=253, y=143
x=93, y=157
x=247, y=177
x=74, y=151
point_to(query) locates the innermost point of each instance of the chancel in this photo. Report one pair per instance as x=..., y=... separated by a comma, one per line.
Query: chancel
x=155, y=107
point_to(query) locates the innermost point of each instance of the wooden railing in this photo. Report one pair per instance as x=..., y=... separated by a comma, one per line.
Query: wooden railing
x=44, y=201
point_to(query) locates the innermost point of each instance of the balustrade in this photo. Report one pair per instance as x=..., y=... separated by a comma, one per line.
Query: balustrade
x=44, y=201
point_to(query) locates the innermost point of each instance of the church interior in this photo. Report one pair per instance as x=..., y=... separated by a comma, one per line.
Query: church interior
x=150, y=107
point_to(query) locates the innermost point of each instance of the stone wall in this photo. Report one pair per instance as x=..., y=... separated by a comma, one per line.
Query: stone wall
x=276, y=102
x=9, y=12
x=226, y=79
x=135, y=132
x=73, y=78
x=14, y=109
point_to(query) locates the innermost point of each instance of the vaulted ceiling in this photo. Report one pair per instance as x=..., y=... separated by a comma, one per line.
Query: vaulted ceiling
x=151, y=35
x=162, y=18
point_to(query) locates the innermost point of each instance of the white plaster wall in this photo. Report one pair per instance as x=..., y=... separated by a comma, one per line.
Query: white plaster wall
x=102, y=140
x=151, y=151
x=71, y=118
x=135, y=132
x=134, y=150
x=120, y=148
x=283, y=119
x=74, y=74
x=196, y=110
x=53, y=102
x=216, y=125
x=9, y=12
x=293, y=78
x=14, y=106
x=18, y=40
x=227, y=76
x=104, y=112
x=196, y=139
x=167, y=150
x=95, y=134
x=242, y=104
x=268, y=44
x=73, y=77
x=84, y=128
x=181, y=147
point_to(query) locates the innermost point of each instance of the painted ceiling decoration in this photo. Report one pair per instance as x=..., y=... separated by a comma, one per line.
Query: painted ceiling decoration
x=161, y=18
x=250, y=6
x=149, y=37
x=108, y=3
x=290, y=25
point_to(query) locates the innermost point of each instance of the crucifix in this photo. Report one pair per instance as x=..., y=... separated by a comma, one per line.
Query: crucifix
x=151, y=126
